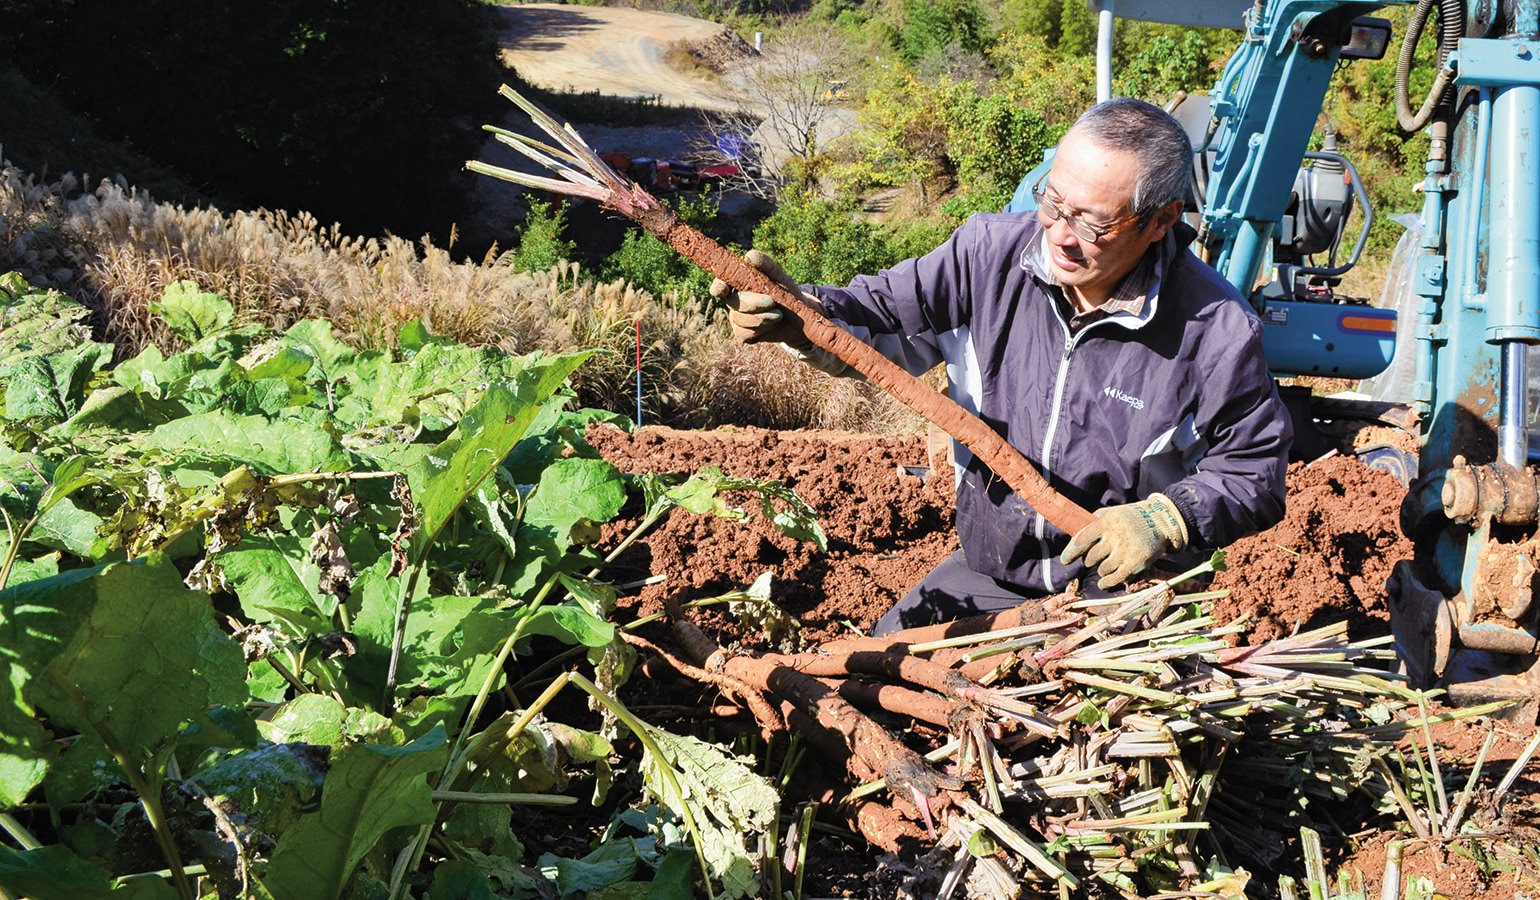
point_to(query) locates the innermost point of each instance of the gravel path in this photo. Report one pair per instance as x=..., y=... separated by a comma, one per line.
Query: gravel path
x=608, y=49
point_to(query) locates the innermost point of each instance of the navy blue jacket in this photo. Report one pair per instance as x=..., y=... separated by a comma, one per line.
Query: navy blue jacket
x=1176, y=399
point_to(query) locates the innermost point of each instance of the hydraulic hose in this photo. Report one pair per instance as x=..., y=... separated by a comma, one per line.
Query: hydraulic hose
x=1451, y=25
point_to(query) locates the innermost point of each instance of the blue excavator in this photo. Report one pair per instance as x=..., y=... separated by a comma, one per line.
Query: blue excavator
x=1272, y=214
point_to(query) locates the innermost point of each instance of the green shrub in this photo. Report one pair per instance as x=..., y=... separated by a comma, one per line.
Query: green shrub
x=994, y=139
x=653, y=266
x=820, y=241
x=540, y=243
x=1159, y=60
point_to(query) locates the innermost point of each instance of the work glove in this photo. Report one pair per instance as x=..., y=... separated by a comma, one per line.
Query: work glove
x=1125, y=540
x=757, y=317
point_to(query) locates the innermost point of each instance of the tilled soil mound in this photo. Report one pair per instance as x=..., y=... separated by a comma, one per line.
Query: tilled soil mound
x=886, y=504
x=1327, y=561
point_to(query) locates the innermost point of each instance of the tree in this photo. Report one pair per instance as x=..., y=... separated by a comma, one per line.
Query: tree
x=1077, y=29
x=1155, y=61
x=933, y=26
x=788, y=101
x=900, y=138
x=1040, y=18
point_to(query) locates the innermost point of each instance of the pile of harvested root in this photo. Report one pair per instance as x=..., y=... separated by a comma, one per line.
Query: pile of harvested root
x=1081, y=741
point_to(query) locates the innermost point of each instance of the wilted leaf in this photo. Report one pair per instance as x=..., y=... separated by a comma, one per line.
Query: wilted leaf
x=702, y=494
x=612, y=862
x=731, y=804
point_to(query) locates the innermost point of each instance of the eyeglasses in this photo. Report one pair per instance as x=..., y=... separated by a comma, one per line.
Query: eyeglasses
x=1082, y=229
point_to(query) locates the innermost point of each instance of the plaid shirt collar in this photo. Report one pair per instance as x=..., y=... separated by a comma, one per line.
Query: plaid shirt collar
x=1139, y=289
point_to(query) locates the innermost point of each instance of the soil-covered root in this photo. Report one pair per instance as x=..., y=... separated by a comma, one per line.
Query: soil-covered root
x=876, y=750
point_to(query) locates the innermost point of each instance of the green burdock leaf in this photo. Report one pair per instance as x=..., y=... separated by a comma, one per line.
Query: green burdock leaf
x=55, y=873
x=192, y=313
x=40, y=507
x=572, y=495
x=450, y=652
x=414, y=336
x=139, y=650
x=573, y=624
x=433, y=389
x=112, y=407
x=31, y=390
x=276, y=580
x=375, y=601
x=675, y=878
x=369, y=790
x=458, y=880
x=315, y=339
x=553, y=434
x=191, y=381
x=287, y=363
x=730, y=802
x=268, y=447
x=66, y=526
x=34, y=624
x=266, y=396
x=34, y=321
x=309, y=719
x=25, y=751
x=563, y=511
x=316, y=719
x=52, y=386
x=448, y=475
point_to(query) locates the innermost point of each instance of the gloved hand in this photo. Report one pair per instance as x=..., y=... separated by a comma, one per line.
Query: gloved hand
x=1124, y=540
x=757, y=317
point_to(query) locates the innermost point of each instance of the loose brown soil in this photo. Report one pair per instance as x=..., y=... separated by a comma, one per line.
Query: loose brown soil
x=886, y=504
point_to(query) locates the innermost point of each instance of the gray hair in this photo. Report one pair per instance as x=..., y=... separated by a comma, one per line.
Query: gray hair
x=1126, y=125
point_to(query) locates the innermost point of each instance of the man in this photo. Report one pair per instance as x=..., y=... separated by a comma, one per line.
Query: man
x=1088, y=335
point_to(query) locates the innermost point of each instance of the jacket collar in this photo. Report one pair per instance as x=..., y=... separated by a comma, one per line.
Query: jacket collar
x=1138, y=297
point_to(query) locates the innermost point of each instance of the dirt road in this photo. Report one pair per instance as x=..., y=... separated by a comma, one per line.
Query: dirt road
x=607, y=49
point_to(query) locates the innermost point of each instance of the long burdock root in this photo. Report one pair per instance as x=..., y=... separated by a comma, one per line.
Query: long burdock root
x=769, y=719
x=583, y=174
x=1046, y=612
x=906, y=772
x=942, y=411
x=917, y=705
x=891, y=664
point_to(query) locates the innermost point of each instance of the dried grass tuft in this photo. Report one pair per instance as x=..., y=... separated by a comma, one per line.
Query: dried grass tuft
x=117, y=250
x=764, y=386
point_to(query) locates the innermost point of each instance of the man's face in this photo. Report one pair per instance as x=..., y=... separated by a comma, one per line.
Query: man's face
x=1096, y=186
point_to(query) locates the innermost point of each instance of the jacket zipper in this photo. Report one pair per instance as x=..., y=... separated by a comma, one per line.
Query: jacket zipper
x=1070, y=342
